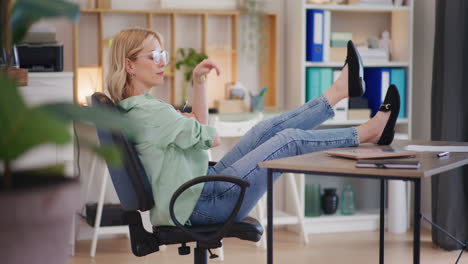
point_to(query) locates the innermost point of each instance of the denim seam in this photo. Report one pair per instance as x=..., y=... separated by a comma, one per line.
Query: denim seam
x=327, y=104
x=293, y=141
x=195, y=211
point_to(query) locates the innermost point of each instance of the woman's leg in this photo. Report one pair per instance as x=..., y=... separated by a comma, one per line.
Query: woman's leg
x=218, y=198
x=308, y=116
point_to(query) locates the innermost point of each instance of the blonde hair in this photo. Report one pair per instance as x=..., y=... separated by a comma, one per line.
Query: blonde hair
x=126, y=44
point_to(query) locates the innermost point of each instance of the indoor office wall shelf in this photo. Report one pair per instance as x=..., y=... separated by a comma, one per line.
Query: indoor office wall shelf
x=364, y=21
x=359, y=8
x=213, y=32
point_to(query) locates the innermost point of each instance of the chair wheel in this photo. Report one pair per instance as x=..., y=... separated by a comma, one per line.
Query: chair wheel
x=184, y=250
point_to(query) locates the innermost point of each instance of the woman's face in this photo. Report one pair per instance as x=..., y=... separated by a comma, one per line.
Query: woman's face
x=147, y=71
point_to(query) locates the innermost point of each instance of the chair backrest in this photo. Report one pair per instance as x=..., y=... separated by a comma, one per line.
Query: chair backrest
x=130, y=180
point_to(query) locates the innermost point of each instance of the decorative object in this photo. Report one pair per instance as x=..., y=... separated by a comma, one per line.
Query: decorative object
x=257, y=101
x=187, y=60
x=386, y=43
x=329, y=201
x=312, y=200
x=235, y=90
x=39, y=203
x=347, y=201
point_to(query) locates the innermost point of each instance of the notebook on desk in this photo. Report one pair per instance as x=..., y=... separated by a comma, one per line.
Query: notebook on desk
x=370, y=153
x=388, y=164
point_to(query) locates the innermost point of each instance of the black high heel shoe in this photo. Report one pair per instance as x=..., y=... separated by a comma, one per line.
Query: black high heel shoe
x=391, y=103
x=356, y=84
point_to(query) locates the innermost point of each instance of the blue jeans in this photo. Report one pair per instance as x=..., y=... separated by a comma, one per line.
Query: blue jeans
x=286, y=135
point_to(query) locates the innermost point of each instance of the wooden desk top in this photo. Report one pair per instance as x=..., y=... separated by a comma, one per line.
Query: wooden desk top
x=319, y=162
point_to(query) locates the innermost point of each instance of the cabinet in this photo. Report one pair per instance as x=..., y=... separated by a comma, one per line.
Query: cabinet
x=45, y=88
x=214, y=32
x=363, y=21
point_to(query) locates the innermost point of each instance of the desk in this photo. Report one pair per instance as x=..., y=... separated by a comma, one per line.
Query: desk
x=321, y=164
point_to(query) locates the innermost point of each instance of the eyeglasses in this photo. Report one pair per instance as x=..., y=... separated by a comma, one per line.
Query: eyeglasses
x=158, y=56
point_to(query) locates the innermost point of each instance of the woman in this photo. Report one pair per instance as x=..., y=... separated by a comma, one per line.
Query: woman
x=171, y=144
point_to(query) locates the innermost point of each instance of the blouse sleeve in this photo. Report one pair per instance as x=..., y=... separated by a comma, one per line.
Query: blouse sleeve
x=165, y=126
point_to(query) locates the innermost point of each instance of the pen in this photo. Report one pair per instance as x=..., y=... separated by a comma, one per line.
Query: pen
x=443, y=154
x=185, y=105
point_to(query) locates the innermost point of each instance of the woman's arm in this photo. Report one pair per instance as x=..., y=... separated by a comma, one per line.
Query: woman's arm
x=217, y=140
x=200, y=100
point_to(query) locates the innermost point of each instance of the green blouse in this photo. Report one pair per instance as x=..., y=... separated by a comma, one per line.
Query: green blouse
x=171, y=148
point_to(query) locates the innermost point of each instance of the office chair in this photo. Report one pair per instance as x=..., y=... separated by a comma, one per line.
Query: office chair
x=135, y=194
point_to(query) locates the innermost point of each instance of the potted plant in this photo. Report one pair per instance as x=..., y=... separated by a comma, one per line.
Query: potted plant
x=187, y=60
x=38, y=204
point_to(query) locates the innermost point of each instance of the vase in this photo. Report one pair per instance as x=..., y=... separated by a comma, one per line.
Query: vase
x=329, y=201
x=312, y=200
x=347, y=201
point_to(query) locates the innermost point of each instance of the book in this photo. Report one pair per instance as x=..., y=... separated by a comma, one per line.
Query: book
x=388, y=164
x=370, y=153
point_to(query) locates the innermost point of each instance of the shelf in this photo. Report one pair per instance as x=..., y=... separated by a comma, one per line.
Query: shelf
x=367, y=220
x=356, y=122
x=282, y=218
x=367, y=65
x=162, y=11
x=360, y=8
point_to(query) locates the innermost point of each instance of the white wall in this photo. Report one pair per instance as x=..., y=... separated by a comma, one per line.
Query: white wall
x=424, y=32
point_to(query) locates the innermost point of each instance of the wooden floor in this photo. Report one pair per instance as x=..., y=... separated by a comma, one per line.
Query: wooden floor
x=358, y=247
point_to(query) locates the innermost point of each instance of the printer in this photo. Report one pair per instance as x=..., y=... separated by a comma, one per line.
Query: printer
x=40, y=52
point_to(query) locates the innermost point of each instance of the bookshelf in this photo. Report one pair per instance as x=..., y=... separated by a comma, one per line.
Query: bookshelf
x=363, y=21
x=214, y=32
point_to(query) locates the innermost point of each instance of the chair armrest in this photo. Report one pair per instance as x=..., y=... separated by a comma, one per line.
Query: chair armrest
x=229, y=222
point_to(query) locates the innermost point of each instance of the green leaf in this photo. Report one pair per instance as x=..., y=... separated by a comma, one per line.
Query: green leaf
x=98, y=116
x=27, y=12
x=111, y=154
x=23, y=128
x=58, y=169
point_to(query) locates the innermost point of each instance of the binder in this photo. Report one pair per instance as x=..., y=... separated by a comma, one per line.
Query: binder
x=377, y=82
x=312, y=83
x=326, y=79
x=314, y=35
x=398, y=78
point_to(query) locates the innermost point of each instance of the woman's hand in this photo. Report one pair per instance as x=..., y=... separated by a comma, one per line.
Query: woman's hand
x=189, y=115
x=202, y=69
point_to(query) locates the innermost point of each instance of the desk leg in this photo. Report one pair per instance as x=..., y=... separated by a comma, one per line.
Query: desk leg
x=382, y=221
x=270, y=217
x=417, y=221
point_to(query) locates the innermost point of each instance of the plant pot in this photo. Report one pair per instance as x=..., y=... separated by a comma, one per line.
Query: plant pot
x=36, y=221
x=20, y=75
